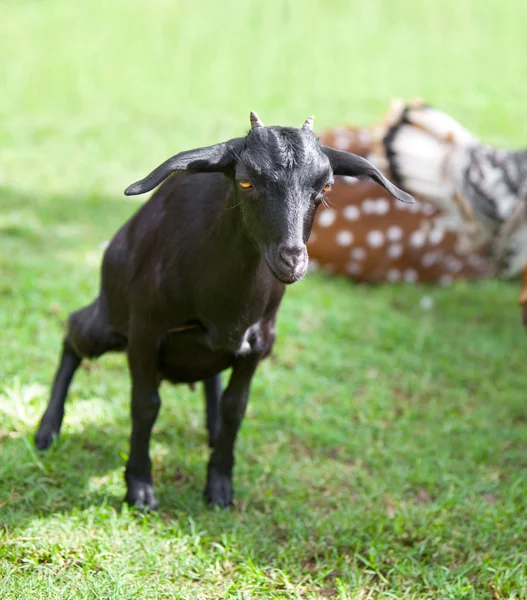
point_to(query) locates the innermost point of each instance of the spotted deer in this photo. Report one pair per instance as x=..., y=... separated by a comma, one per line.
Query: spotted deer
x=363, y=233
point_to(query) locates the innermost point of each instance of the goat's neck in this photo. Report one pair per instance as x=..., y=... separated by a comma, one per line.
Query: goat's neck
x=239, y=287
x=232, y=234
x=231, y=256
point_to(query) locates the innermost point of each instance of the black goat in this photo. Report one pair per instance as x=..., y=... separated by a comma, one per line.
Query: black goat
x=192, y=283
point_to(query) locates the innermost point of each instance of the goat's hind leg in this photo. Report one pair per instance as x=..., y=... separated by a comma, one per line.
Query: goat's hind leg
x=89, y=335
x=52, y=419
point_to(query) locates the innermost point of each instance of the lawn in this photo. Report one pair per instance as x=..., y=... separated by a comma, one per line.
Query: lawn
x=384, y=453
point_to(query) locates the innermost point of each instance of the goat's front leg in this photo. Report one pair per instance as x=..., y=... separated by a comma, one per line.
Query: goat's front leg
x=142, y=360
x=219, y=490
x=212, y=405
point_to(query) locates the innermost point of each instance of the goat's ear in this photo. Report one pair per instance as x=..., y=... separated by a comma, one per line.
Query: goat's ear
x=218, y=158
x=345, y=163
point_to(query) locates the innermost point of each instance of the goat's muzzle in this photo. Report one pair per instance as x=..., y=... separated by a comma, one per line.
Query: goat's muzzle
x=288, y=263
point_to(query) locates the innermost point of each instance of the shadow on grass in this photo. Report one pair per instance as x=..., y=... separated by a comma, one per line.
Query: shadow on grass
x=85, y=469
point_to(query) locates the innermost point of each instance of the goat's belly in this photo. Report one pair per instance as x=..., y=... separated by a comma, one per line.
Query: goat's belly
x=183, y=359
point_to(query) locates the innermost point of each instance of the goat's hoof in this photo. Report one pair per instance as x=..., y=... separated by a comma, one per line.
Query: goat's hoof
x=218, y=491
x=45, y=436
x=140, y=494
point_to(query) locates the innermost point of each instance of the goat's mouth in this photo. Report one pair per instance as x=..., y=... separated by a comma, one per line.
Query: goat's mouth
x=287, y=277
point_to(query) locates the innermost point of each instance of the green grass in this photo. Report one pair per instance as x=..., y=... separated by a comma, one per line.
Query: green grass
x=384, y=454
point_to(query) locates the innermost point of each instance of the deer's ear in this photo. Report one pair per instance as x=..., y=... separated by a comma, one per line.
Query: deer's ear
x=217, y=158
x=345, y=163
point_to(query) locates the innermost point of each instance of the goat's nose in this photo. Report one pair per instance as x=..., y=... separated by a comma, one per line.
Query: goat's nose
x=293, y=256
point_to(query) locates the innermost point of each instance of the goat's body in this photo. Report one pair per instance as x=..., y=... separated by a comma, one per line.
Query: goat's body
x=205, y=320
x=191, y=284
x=194, y=276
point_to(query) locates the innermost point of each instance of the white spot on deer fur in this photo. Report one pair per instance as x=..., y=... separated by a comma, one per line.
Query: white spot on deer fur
x=428, y=259
x=379, y=206
x=475, y=261
x=428, y=209
x=326, y=218
x=417, y=239
x=393, y=275
x=350, y=180
x=413, y=208
x=368, y=206
x=426, y=303
x=395, y=250
x=410, y=275
x=341, y=141
x=344, y=238
x=453, y=264
x=358, y=253
x=351, y=213
x=383, y=206
x=353, y=268
x=436, y=236
x=375, y=238
x=394, y=233
x=365, y=137
x=446, y=280
x=313, y=265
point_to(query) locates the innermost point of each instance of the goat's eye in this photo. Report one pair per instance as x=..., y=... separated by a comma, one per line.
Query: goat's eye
x=245, y=184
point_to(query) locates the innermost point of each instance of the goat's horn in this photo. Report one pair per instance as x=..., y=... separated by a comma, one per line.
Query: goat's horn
x=308, y=124
x=255, y=121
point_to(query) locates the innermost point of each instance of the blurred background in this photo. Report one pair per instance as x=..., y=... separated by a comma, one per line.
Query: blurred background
x=384, y=453
x=94, y=92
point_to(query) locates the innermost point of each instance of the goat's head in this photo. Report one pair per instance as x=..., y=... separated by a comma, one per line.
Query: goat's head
x=280, y=176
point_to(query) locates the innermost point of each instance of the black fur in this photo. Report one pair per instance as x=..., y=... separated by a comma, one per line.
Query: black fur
x=191, y=285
